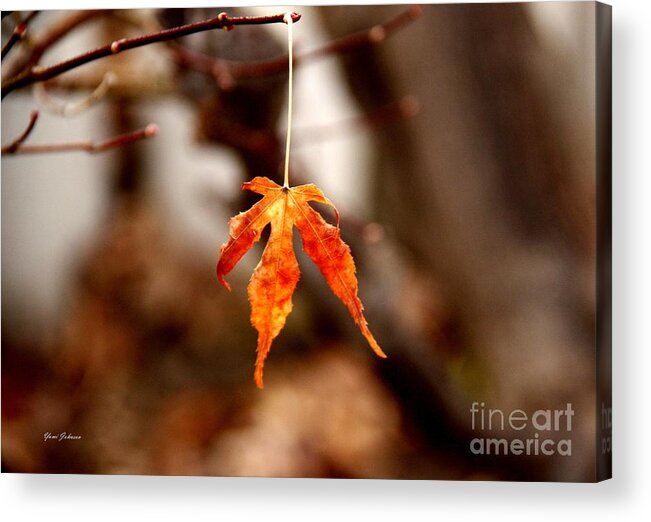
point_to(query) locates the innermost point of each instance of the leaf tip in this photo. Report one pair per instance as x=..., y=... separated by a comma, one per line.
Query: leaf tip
x=220, y=276
x=375, y=346
x=259, y=381
x=378, y=351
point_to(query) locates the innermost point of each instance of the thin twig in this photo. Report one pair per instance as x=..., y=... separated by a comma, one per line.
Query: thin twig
x=222, y=21
x=88, y=146
x=46, y=38
x=375, y=35
x=225, y=71
x=16, y=143
x=18, y=33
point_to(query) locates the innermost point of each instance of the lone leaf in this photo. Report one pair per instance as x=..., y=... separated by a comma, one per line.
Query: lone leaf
x=274, y=279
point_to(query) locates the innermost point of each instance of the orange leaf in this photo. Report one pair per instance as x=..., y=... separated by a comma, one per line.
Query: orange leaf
x=274, y=279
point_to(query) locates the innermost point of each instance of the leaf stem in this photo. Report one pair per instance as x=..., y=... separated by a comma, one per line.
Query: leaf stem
x=290, y=44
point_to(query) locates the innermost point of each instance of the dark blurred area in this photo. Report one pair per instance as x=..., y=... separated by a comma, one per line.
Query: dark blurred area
x=474, y=242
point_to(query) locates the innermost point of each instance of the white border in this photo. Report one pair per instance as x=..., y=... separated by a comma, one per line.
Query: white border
x=626, y=497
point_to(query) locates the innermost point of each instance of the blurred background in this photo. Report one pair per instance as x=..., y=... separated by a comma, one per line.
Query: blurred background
x=460, y=152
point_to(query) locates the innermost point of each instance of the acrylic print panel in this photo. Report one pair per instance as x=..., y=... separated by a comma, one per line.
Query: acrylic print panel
x=443, y=201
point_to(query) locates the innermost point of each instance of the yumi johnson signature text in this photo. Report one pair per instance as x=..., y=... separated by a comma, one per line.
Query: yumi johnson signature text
x=60, y=437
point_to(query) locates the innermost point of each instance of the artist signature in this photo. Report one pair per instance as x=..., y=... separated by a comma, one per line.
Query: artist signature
x=60, y=437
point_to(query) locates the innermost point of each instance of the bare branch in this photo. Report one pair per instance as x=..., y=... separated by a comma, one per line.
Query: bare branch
x=226, y=72
x=45, y=39
x=88, y=146
x=372, y=36
x=16, y=143
x=18, y=33
x=222, y=21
